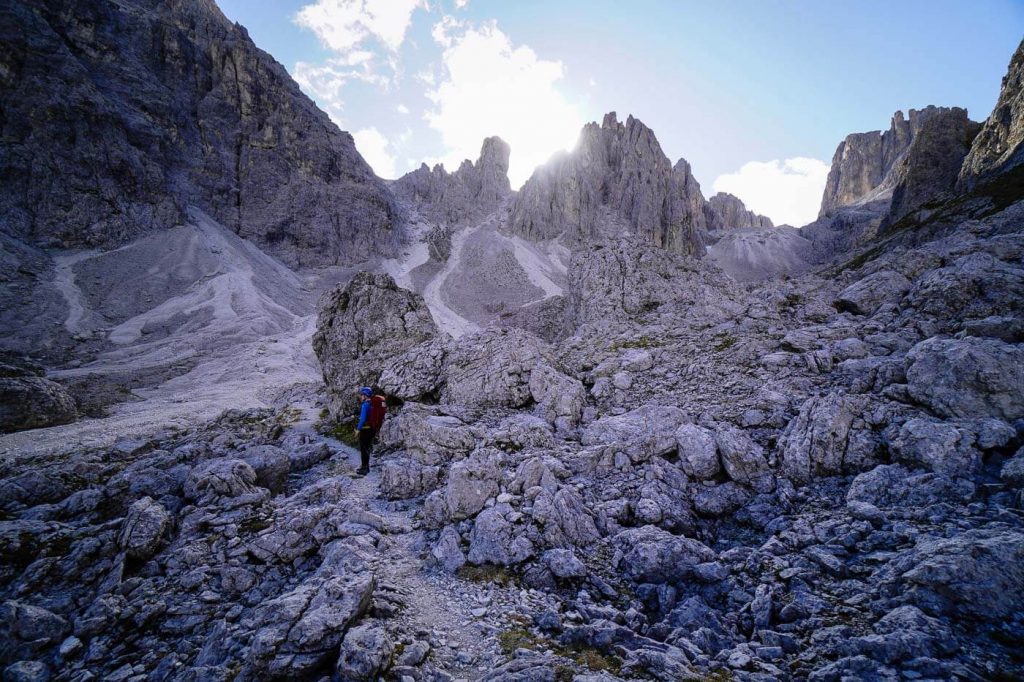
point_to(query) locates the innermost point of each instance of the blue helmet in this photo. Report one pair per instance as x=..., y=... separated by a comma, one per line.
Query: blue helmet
x=366, y=390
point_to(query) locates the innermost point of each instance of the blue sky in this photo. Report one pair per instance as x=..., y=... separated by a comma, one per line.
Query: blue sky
x=756, y=95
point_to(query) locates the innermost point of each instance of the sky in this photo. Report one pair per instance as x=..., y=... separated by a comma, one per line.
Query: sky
x=755, y=94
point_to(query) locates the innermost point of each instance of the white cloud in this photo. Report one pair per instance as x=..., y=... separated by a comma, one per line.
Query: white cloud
x=491, y=87
x=374, y=148
x=324, y=82
x=341, y=25
x=788, y=192
x=402, y=109
x=461, y=4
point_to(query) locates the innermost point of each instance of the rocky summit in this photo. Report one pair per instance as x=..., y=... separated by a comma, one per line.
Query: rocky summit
x=631, y=433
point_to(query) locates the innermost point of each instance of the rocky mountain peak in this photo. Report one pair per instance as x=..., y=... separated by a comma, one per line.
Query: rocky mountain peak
x=999, y=146
x=616, y=181
x=727, y=211
x=862, y=165
x=472, y=191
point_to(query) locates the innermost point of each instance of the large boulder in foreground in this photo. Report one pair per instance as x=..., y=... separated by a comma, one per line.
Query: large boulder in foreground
x=968, y=377
x=362, y=327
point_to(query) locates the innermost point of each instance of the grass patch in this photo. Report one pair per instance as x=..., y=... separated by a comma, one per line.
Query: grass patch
x=343, y=430
x=728, y=341
x=487, y=573
x=509, y=641
x=515, y=638
x=639, y=342
x=288, y=415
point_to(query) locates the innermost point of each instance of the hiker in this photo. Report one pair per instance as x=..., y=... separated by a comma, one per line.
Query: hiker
x=371, y=417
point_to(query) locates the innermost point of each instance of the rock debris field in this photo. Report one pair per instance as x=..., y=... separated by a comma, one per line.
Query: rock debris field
x=633, y=433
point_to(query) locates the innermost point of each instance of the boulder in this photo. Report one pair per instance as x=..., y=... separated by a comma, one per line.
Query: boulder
x=823, y=438
x=471, y=482
x=937, y=446
x=224, y=478
x=972, y=287
x=719, y=500
x=565, y=519
x=403, y=478
x=495, y=540
x=648, y=431
x=271, y=464
x=361, y=328
x=652, y=555
x=866, y=296
x=969, y=377
x=417, y=374
x=560, y=398
x=366, y=653
x=432, y=438
x=891, y=485
x=564, y=564
x=30, y=623
x=30, y=402
x=1012, y=472
x=143, y=528
x=978, y=574
x=447, y=552
x=698, y=454
x=743, y=459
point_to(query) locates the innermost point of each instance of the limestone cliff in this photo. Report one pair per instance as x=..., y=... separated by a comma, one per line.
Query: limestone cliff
x=475, y=189
x=999, y=147
x=725, y=211
x=117, y=116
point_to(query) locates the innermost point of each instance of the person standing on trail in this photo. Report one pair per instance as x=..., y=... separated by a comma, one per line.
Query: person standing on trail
x=372, y=409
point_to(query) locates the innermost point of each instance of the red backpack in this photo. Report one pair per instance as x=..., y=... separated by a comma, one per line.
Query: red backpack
x=378, y=409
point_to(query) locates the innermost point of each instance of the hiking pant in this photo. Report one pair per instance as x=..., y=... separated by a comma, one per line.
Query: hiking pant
x=366, y=436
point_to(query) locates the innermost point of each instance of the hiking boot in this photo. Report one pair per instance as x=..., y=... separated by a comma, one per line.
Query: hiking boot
x=362, y=471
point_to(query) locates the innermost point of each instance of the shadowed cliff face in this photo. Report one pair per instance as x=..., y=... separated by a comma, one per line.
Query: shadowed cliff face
x=116, y=117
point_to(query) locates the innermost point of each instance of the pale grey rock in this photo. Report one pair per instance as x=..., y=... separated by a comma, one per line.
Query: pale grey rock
x=31, y=402
x=143, y=528
x=975, y=285
x=565, y=519
x=432, y=438
x=563, y=563
x=978, y=574
x=560, y=398
x=648, y=431
x=271, y=464
x=821, y=440
x=652, y=555
x=299, y=631
x=401, y=479
x=715, y=500
x=184, y=110
x=937, y=446
x=1012, y=472
x=366, y=653
x=968, y=377
x=493, y=368
x=523, y=431
x=472, y=191
x=417, y=374
x=447, y=551
x=361, y=328
x=471, y=482
x=725, y=211
x=32, y=623
x=616, y=180
x=866, y=296
x=997, y=149
x=228, y=479
x=27, y=671
x=743, y=459
x=542, y=472
x=891, y=485
x=494, y=539
x=698, y=454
